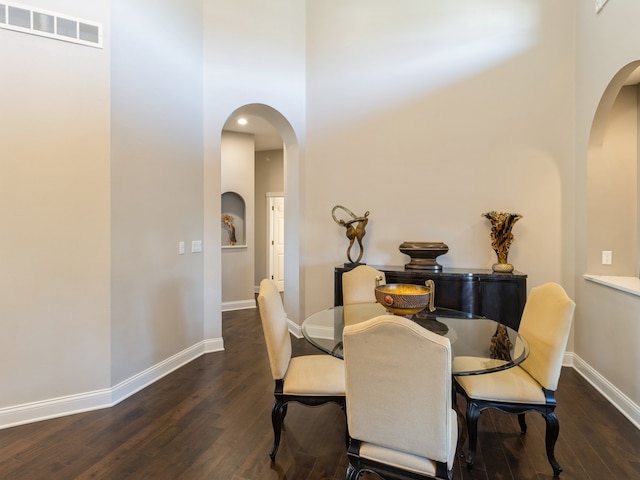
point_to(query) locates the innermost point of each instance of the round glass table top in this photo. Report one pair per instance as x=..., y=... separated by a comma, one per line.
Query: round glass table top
x=479, y=345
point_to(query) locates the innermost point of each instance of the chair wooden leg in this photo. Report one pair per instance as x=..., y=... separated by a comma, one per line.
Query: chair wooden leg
x=462, y=426
x=277, y=416
x=352, y=473
x=523, y=423
x=553, y=430
x=347, y=438
x=473, y=412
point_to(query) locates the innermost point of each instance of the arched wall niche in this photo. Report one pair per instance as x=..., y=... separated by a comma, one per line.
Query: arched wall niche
x=294, y=290
x=613, y=178
x=233, y=218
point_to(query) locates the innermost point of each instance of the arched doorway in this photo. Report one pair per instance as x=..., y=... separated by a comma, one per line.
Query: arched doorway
x=279, y=126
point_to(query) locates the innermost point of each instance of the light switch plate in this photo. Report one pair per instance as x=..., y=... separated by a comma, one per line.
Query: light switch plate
x=181, y=248
x=196, y=246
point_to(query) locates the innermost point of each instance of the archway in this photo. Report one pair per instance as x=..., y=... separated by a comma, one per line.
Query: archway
x=613, y=178
x=292, y=196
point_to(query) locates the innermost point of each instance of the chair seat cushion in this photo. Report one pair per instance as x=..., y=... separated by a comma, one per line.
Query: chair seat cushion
x=514, y=385
x=314, y=375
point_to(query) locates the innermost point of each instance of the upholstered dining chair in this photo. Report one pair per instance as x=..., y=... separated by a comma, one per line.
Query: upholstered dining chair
x=545, y=325
x=399, y=400
x=358, y=284
x=310, y=380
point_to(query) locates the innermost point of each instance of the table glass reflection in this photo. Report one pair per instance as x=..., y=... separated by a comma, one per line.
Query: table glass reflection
x=479, y=345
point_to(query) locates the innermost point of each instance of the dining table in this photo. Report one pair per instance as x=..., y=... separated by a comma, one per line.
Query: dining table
x=479, y=345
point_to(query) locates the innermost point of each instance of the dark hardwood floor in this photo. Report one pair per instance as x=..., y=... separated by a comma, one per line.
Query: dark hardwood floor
x=211, y=420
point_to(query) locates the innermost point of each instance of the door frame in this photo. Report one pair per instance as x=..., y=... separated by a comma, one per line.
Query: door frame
x=271, y=196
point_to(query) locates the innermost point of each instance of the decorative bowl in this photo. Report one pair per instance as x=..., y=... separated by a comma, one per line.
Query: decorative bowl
x=423, y=255
x=405, y=299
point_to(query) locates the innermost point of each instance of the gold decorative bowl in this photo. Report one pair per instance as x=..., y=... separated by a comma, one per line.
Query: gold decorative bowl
x=406, y=299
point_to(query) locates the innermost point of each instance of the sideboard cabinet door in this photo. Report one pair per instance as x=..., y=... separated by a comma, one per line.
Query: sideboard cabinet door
x=503, y=299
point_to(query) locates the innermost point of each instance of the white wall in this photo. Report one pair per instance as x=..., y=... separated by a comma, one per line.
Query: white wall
x=431, y=114
x=54, y=212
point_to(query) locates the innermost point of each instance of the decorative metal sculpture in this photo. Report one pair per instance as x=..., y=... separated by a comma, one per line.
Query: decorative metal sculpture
x=228, y=222
x=501, y=237
x=355, y=229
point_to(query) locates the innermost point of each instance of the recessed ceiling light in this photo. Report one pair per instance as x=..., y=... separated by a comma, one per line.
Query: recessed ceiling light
x=242, y=121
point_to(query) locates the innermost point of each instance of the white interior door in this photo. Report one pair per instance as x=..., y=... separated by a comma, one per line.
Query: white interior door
x=276, y=241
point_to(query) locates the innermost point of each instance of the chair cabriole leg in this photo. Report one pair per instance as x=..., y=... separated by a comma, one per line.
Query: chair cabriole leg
x=352, y=473
x=277, y=416
x=523, y=423
x=551, y=436
x=473, y=412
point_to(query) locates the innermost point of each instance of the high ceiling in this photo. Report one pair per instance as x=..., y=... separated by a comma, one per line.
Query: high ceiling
x=266, y=136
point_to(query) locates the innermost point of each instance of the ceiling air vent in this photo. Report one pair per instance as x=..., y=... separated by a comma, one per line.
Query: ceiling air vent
x=36, y=21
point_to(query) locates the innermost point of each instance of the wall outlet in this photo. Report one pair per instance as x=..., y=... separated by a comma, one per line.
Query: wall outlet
x=606, y=257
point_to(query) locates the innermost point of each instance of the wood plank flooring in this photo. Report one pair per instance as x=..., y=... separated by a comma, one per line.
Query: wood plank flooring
x=211, y=420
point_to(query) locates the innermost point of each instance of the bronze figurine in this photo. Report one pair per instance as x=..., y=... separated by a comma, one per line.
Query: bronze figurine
x=228, y=222
x=355, y=229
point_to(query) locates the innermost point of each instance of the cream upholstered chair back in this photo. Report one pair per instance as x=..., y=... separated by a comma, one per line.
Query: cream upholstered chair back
x=275, y=328
x=545, y=324
x=398, y=387
x=358, y=285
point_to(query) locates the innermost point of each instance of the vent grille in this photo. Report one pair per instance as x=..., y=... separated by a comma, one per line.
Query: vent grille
x=25, y=19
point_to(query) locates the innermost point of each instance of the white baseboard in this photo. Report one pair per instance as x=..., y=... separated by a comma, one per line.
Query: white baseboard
x=239, y=305
x=54, y=407
x=618, y=399
x=84, y=402
x=295, y=329
x=213, y=345
x=72, y=404
x=152, y=374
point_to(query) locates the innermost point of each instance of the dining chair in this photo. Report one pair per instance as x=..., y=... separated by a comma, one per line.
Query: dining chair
x=310, y=380
x=358, y=284
x=545, y=325
x=399, y=400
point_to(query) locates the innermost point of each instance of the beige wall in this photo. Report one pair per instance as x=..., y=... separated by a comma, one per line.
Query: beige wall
x=238, y=262
x=607, y=328
x=269, y=168
x=427, y=115
x=157, y=193
x=54, y=213
x=612, y=190
x=432, y=114
x=255, y=64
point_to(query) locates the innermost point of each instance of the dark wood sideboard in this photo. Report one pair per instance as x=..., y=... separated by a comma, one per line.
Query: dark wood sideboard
x=499, y=296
